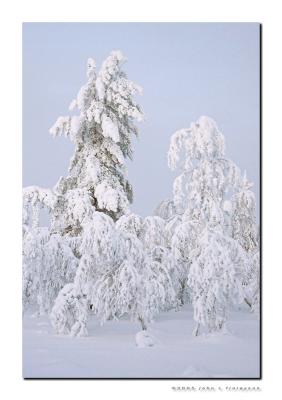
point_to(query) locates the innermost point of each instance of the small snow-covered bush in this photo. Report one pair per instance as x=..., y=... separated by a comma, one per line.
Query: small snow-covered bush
x=144, y=339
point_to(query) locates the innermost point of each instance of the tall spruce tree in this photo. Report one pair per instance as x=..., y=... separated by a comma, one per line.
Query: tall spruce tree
x=102, y=135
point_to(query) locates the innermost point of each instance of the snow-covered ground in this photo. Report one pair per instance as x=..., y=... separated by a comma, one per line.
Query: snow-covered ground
x=110, y=350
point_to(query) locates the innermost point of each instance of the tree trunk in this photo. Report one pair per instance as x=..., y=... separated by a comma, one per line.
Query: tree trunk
x=247, y=302
x=181, y=293
x=196, y=330
x=143, y=325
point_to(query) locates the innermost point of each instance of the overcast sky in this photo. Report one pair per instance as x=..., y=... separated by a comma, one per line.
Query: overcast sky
x=186, y=70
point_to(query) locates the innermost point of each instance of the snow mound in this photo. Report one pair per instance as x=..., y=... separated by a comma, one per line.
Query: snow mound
x=144, y=339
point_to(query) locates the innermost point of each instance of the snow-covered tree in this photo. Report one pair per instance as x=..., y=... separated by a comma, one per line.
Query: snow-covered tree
x=212, y=201
x=102, y=135
x=115, y=276
x=101, y=131
x=215, y=278
x=199, y=192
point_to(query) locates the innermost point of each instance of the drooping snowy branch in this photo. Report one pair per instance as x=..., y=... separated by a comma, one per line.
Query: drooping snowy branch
x=34, y=199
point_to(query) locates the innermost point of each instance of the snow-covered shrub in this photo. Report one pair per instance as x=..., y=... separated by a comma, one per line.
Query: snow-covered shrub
x=130, y=288
x=97, y=246
x=215, y=278
x=99, y=249
x=137, y=286
x=48, y=264
x=116, y=277
x=33, y=246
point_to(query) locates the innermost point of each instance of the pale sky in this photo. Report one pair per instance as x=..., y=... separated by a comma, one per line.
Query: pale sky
x=186, y=70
